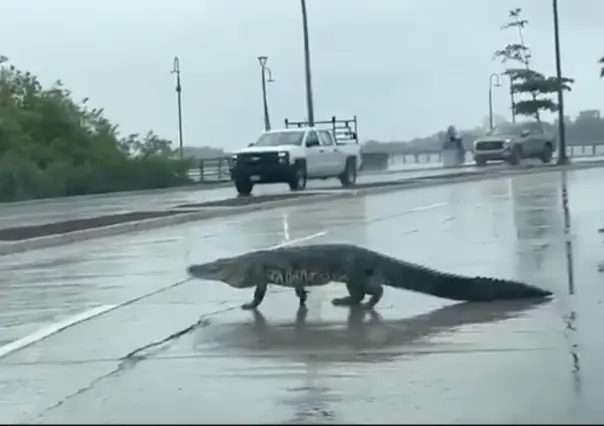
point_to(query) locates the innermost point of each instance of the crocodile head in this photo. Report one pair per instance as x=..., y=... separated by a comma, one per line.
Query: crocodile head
x=231, y=271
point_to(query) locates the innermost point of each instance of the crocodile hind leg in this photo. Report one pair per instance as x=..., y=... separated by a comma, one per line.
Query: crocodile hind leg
x=354, y=298
x=363, y=282
x=374, y=288
x=356, y=284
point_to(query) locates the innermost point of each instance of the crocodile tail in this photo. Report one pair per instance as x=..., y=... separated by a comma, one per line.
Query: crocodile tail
x=470, y=289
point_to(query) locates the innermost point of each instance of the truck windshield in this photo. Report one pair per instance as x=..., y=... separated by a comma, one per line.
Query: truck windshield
x=505, y=130
x=280, y=138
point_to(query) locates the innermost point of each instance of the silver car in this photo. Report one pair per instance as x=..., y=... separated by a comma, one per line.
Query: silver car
x=512, y=142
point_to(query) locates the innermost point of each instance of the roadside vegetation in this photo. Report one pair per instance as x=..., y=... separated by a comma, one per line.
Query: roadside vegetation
x=524, y=79
x=52, y=146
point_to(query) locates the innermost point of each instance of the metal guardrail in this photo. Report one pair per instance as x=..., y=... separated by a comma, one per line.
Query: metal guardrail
x=214, y=170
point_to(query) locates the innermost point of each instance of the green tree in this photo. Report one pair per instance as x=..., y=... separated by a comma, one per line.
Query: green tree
x=51, y=145
x=525, y=80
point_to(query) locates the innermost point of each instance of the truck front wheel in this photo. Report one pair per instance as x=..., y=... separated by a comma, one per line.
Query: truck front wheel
x=298, y=180
x=515, y=157
x=349, y=176
x=244, y=186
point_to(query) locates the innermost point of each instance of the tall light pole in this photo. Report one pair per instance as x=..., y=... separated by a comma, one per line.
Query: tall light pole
x=265, y=70
x=512, y=101
x=176, y=70
x=562, y=158
x=309, y=101
x=497, y=84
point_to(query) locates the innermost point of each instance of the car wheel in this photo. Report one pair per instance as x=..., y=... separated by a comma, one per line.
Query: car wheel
x=514, y=159
x=480, y=162
x=546, y=155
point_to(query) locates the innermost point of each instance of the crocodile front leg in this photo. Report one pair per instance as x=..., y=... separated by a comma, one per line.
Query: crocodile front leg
x=302, y=294
x=259, y=294
x=256, y=275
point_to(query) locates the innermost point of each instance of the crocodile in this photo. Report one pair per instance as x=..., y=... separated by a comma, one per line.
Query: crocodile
x=363, y=271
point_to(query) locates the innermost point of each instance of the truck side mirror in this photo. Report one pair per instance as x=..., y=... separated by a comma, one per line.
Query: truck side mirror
x=250, y=144
x=525, y=133
x=312, y=142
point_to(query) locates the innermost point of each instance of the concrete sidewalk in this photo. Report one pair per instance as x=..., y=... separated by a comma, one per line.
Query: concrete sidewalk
x=419, y=359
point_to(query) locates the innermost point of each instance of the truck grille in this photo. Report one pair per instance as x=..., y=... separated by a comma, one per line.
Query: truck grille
x=258, y=159
x=489, y=145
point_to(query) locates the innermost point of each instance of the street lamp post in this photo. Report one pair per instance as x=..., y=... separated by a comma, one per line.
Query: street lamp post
x=309, y=100
x=497, y=84
x=176, y=70
x=562, y=157
x=262, y=60
x=512, y=101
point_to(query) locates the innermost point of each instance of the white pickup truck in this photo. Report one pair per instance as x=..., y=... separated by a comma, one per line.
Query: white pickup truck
x=292, y=156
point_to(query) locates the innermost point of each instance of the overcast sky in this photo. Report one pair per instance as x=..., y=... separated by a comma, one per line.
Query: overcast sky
x=406, y=68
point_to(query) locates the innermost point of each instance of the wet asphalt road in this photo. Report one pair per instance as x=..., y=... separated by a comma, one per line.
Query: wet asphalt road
x=420, y=360
x=55, y=210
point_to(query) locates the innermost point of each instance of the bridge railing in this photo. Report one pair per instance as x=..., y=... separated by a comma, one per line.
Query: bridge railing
x=574, y=151
x=214, y=170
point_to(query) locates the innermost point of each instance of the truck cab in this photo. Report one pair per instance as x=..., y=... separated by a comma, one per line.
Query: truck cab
x=293, y=155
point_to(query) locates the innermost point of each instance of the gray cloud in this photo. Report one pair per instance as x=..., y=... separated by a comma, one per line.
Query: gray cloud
x=406, y=68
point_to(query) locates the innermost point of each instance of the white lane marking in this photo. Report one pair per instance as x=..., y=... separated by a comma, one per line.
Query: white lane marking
x=413, y=210
x=89, y=314
x=51, y=329
x=298, y=240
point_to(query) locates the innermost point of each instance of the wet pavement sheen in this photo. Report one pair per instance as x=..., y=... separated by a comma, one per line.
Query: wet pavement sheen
x=190, y=355
x=38, y=212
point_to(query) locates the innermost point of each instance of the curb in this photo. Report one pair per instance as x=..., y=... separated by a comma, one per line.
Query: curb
x=220, y=212
x=207, y=185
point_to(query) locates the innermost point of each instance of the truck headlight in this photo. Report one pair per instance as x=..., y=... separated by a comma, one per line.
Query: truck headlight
x=507, y=143
x=283, y=157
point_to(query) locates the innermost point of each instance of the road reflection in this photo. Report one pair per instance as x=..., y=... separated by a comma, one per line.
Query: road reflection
x=332, y=341
x=366, y=338
x=538, y=224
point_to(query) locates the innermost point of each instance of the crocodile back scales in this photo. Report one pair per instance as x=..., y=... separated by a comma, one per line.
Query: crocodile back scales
x=415, y=277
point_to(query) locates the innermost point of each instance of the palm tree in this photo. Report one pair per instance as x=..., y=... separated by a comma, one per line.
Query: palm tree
x=601, y=62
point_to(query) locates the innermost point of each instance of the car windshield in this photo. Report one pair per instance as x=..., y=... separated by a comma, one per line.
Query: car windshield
x=279, y=138
x=515, y=129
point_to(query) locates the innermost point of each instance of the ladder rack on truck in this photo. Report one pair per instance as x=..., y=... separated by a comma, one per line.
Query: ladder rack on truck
x=344, y=131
